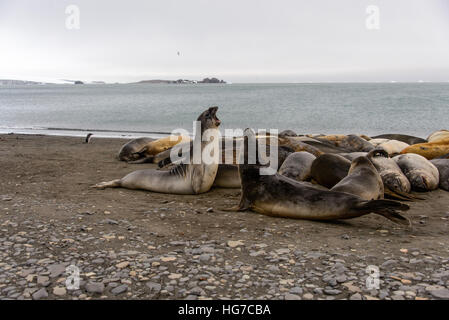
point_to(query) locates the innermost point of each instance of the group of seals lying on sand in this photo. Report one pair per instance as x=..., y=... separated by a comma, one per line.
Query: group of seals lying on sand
x=319, y=177
x=277, y=195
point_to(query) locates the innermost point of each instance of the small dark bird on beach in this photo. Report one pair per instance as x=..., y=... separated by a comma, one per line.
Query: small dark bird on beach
x=88, y=138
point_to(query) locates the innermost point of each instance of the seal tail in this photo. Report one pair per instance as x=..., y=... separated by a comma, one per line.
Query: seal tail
x=387, y=208
x=399, y=195
x=108, y=184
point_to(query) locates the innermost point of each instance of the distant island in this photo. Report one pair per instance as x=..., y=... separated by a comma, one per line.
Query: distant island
x=10, y=82
x=182, y=81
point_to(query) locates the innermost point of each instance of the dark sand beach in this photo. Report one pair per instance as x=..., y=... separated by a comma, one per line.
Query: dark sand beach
x=141, y=245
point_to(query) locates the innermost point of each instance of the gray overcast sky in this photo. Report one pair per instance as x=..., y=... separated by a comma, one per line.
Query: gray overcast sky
x=237, y=40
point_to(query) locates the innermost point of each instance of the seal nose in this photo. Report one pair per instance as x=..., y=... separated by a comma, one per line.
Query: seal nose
x=217, y=122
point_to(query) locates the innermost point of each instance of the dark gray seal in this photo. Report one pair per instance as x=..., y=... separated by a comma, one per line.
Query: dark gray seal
x=131, y=150
x=279, y=196
x=362, y=180
x=329, y=169
x=443, y=169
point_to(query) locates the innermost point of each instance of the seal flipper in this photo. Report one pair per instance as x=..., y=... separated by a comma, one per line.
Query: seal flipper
x=242, y=206
x=387, y=208
x=140, y=153
x=143, y=160
x=108, y=184
x=197, y=178
x=399, y=195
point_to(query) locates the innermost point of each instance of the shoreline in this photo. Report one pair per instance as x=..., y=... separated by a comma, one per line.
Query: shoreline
x=112, y=134
x=70, y=132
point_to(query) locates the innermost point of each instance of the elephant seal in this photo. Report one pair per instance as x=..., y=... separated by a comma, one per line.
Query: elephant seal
x=377, y=141
x=362, y=180
x=279, y=196
x=438, y=136
x=130, y=151
x=298, y=166
x=227, y=176
x=396, y=184
x=429, y=150
x=296, y=145
x=288, y=133
x=401, y=137
x=354, y=143
x=311, y=145
x=329, y=169
x=191, y=178
x=393, y=147
x=421, y=173
x=443, y=169
x=330, y=137
x=147, y=149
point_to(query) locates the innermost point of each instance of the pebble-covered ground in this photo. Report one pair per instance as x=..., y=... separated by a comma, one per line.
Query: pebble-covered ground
x=139, y=245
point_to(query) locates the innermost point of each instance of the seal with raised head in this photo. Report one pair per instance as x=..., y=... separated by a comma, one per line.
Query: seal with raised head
x=279, y=196
x=329, y=169
x=421, y=173
x=443, y=169
x=298, y=166
x=362, y=180
x=191, y=178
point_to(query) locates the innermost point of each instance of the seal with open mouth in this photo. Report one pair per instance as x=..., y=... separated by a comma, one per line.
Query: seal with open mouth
x=191, y=178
